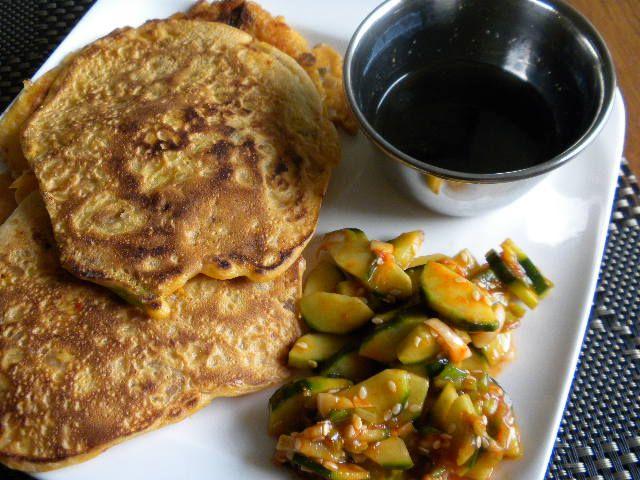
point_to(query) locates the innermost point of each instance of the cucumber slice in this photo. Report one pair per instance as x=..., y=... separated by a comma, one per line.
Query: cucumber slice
x=389, y=280
x=515, y=284
x=434, y=369
x=287, y=404
x=476, y=361
x=352, y=288
x=349, y=364
x=391, y=453
x=334, y=313
x=451, y=374
x=375, y=434
x=323, y=278
x=351, y=251
x=424, y=259
x=383, y=392
x=457, y=299
x=496, y=351
x=540, y=283
x=381, y=345
x=466, y=260
x=418, y=388
x=440, y=408
x=415, y=274
x=484, y=466
x=346, y=471
x=312, y=348
x=418, y=346
x=406, y=247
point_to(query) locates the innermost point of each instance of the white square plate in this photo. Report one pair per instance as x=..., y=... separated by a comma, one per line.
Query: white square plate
x=562, y=223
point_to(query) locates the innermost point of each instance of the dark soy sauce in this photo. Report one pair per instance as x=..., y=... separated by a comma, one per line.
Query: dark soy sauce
x=469, y=117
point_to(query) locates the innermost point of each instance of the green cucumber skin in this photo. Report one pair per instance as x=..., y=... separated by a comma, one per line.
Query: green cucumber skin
x=499, y=268
x=302, y=461
x=538, y=281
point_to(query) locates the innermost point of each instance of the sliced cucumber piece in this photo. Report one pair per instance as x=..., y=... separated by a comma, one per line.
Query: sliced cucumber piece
x=328, y=403
x=440, y=408
x=334, y=313
x=415, y=274
x=496, y=351
x=457, y=299
x=418, y=346
x=381, y=345
x=346, y=471
x=515, y=284
x=383, y=392
x=418, y=388
x=434, y=369
x=391, y=453
x=476, y=361
x=466, y=260
x=484, y=466
x=540, y=283
x=352, y=288
x=349, y=364
x=312, y=348
x=451, y=374
x=389, y=280
x=351, y=251
x=287, y=404
x=323, y=278
x=406, y=247
x=424, y=259
x=375, y=434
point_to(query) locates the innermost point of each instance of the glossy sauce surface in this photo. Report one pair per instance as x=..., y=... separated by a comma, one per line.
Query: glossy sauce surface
x=469, y=117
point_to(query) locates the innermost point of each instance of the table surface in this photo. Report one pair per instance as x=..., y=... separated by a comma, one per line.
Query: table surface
x=619, y=23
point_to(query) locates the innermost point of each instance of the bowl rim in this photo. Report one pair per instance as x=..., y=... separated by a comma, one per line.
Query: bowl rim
x=591, y=132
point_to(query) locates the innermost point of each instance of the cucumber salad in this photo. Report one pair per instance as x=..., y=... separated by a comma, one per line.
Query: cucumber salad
x=402, y=353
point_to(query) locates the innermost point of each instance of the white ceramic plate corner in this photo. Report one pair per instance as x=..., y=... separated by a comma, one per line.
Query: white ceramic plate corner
x=562, y=223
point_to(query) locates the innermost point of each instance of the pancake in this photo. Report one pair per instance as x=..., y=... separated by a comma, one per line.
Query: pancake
x=80, y=370
x=177, y=148
x=322, y=63
x=13, y=120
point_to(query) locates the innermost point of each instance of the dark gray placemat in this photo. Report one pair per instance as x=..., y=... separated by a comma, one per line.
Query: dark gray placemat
x=600, y=433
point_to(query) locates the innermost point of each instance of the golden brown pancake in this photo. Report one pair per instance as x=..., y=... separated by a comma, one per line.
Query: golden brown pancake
x=80, y=370
x=177, y=148
x=322, y=63
x=14, y=118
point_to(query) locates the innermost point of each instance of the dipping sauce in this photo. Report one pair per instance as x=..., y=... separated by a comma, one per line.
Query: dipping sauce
x=470, y=117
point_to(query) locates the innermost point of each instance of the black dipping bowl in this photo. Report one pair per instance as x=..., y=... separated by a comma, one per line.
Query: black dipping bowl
x=544, y=42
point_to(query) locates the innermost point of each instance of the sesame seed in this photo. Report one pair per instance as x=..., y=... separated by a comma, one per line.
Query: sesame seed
x=476, y=295
x=417, y=341
x=297, y=445
x=350, y=432
x=485, y=442
x=377, y=320
x=362, y=393
x=302, y=345
x=312, y=363
x=392, y=386
x=330, y=465
x=459, y=280
x=397, y=408
x=446, y=436
x=484, y=420
x=436, y=445
x=415, y=408
x=478, y=442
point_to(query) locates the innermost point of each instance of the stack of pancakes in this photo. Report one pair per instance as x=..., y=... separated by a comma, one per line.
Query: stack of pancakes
x=167, y=179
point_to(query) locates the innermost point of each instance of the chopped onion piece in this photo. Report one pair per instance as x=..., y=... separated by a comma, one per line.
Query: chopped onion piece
x=449, y=340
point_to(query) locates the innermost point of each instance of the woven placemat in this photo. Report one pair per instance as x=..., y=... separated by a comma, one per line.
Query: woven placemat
x=600, y=433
